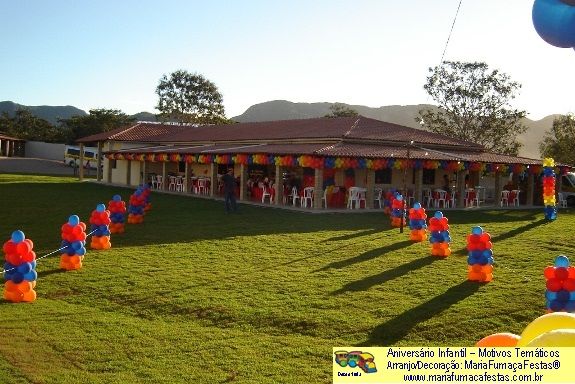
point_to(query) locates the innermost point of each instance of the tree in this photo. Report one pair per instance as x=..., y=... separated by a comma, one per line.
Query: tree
x=341, y=110
x=24, y=125
x=474, y=106
x=559, y=141
x=190, y=98
x=97, y=121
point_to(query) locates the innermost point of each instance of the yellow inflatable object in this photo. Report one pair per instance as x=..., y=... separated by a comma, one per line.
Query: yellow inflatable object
x=546, y=323
x=555, y=338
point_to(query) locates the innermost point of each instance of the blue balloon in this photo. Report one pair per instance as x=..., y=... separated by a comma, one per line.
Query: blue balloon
x=570, y=306
x=417, y=205
x=561, y=261
x=31, y=276
x=24, y=268
x=554, y=21
x=438, y=215
x=81, y=251
x=16, y=277
x=556, y=305
x=487, y=253
x=117, y=198
x=571, y=294
x=100, y=208
x=563, y=295
x=18, y=236
x=550, y=295
x=73, y=220
x=477, y=230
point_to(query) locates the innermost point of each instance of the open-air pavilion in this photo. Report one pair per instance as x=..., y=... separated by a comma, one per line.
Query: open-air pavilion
x=320, y=153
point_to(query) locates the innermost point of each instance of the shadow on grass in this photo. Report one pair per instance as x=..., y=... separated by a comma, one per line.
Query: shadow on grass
x=400, y=326
x=507, y=235
x=51, y=272
x=354, y=235
x=372, y=254
x=394, y=273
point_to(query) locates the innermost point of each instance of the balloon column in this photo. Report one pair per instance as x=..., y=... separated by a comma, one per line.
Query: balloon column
x=100, y=220
x=549, y=189
x=555, y=329
x=397, y=212
x=554, y=21
x=73, y=242
x=19, y=269
x=146, y=192
x=117, y=210
x=439, y=235
x=560, y=284
x=417, y=223
x=136, y=207
x=480, y=256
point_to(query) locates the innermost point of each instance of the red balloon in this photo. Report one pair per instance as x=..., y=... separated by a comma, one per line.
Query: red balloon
x=23, y=248
x=554, y=285
x=549, y=272
x=561, y=273
x=569, y=285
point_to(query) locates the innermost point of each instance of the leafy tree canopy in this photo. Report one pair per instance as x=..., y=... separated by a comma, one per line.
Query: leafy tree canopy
x=190, y=98
x=559, y=141
x=24, y=125
x=474, y=106
x=97, y=121
x=341, y=110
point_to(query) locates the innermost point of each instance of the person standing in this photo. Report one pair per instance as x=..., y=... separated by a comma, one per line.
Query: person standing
x=230, y=190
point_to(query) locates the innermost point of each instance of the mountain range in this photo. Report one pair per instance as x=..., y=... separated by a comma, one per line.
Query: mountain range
x=405, y=115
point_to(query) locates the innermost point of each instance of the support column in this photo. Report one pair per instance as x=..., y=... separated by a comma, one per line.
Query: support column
x=370, y=185
x=530, y=189
x=418, y=188
x=461, y=189
x=109, y=171
x=187, y=180
x=214, y=179
x=243, y=182
x=128, y=172
x=164, y=175
x=99, y=163
x=81, y=167
x=318, y=188
x=498, y=188
x=144, y=173
x=278, y=185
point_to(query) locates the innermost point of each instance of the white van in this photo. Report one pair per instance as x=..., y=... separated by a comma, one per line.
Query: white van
x=72, y=156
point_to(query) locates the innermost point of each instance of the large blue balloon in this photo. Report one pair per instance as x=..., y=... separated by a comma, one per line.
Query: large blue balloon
x=100, y=208
x=18, y=236
x=554, y=21
x=561, y=261
x=74, y=220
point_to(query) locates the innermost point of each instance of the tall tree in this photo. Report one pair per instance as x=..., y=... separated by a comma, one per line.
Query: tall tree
x=474, y=106
x=341, y=110
x=190, y=98
x=24, y=125
x=559, y=141
x=98, y=120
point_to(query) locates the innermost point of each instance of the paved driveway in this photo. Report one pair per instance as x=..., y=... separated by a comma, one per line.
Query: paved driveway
x=37, y=166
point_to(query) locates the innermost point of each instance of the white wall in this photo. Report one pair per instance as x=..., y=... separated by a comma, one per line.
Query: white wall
x=41, y=150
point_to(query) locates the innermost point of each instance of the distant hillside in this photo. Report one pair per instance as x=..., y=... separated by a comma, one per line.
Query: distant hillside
x=49, y=113
x=145, y=116
x=399, y=114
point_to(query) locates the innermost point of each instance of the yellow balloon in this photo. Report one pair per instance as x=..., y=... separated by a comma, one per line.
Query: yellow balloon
x=555, y=338
x=546, y=323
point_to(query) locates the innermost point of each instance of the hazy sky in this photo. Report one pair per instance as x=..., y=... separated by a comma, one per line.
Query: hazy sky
x=111, y=53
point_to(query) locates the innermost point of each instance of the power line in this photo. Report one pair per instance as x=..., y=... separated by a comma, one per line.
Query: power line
x=450, y=32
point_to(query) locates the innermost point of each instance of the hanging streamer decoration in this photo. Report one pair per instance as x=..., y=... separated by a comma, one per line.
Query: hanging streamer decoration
x=439, y=235
x=19, y=269
x=397, y=211
x=549, y=189
x=480, y=256
x=73, y=243
x=417, y=223
x=560, y=283
x=100, y=220
x=137, y=207
x=117, y=209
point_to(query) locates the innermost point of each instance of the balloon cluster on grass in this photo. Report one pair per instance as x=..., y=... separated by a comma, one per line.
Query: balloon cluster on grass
x=480, y=256
x=137, y=207
x=100, y=220
x=117, y=209
x=556, y=329
x=560, y=294
x=417, y=223
x=73, y=244
x=549, y=189
x=19, y=269
x=554, y=21
x=439, y=235
x=146, y=190
x=397, y=211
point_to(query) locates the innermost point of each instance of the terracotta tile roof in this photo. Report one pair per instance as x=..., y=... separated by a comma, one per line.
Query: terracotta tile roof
x=140, y=132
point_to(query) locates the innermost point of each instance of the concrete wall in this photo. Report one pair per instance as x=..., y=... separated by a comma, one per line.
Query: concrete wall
x=41, y=150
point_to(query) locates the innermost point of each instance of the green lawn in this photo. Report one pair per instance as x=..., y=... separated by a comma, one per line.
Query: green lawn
x=193, y=295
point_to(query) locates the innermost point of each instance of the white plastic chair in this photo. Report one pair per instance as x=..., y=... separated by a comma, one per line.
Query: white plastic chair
x=293, y=196
x=324, y=198
x=516, y=197
x=377, y=197
x=265, y=193
x=307, y=197
x=159, y=182
x=441, y=198
x=202, y=186
x=562, y=200
x=180, y=184
x=427, y=198
x=504, y=198
x=353, y=198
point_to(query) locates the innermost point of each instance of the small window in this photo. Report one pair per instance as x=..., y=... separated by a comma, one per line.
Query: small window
x=429, y=176
x=113, y=163
x=383, y=176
